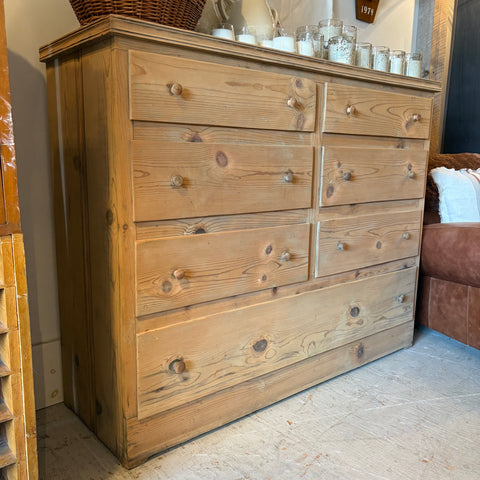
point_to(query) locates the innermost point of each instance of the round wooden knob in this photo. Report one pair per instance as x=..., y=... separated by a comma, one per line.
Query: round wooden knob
x=416, y=117
x=400, y=298
x=177, y=366
x=285, y=257
x=411, y=174
x=350, y=110
x=340, y=246
x=176, y=181
x=179, y=274
x=288, y=177
x=292, y=102
x=347, y=176
x=176, y=89
x=406, y=236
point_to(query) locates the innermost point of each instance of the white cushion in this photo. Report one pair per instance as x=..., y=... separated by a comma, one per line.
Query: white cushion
x=459, y=194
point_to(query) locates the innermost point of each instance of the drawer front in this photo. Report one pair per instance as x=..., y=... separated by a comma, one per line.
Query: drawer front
x=360, y=175
x=347, y=243
x=176, y=90
x=362, y=111
x=176, y=180
x=222, y=350
x=178, y=271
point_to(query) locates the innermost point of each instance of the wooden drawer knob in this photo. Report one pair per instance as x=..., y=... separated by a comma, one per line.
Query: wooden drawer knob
x=176, y=181
x=179, y=274
x=406, y=236
x=411, y=174
x=292, y=102
x=340, y=246
x=177, y=366
x=347, y=176
x=416, y=117
x=288, y=177
x=400, y=298
x=350, y=110
x=285, y=257
x=175, y=89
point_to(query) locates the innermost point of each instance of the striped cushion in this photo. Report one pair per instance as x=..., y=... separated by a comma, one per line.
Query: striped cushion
x=459, y=194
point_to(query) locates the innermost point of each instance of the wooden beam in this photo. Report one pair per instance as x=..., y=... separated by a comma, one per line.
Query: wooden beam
x=441, y=52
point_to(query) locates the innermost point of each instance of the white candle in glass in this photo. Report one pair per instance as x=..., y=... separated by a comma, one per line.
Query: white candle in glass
x=284, y=41
x=247, y=38
x=305, y=47
x=223, y=33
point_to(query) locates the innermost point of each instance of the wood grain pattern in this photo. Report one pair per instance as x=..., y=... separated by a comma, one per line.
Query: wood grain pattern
x=358, y=175
x=226, y=349
x=218, y=179
x=440, y=64
x=376, y=112
x=350, y=243
x=258, y=101
x=218, y=265
x=200, y=225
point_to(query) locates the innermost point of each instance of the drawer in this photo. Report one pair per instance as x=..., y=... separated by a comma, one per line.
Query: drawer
x=184, y=362
x=177, y=90
x=360, y=175
x=362, y=111
x=178, y=271
x=180, y=180
x=347, y=243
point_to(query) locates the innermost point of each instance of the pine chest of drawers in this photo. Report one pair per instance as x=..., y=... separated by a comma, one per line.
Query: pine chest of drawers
x=233, y=225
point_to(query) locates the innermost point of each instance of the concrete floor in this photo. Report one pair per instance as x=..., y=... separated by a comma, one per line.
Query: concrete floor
x=412, y=415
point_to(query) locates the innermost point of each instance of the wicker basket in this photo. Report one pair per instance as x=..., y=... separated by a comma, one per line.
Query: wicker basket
x=176, y=13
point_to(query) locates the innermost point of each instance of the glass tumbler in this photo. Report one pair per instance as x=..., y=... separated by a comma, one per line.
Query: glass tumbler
x=331, y=27
x=247, y=35
x=397, y=61
x=341, y=49
x=363, y=55
x=224, y=30
x=307, y=38
x=413, y=64
x=381, y=58
x=284, y=40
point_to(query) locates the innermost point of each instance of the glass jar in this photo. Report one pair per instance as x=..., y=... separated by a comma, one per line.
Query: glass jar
x=284, y=40
x=341, y=49
x=413, y=64
x=308, y=40
x=381, y=58
x=224, y=30
x=329, y=28
x=247, y=35
x=397, y=61
x=350, y=31
x=363, y=55
x=265, y=40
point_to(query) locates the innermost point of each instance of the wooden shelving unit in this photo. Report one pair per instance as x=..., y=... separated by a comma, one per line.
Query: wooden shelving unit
x=18, y=449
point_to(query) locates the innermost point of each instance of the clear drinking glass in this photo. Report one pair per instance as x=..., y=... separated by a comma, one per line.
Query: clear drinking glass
x=363, y=55
x=284, y=39
x=307, y=40
x=381, y=58
x=413, y=64
x=397, y=61
x=224, y=30
x=350, y=31
x=247, y=34
x=265, y=39
x=341, y=49
x=331, y=27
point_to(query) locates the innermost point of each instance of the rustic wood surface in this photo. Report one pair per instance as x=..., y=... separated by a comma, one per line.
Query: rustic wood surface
x=227, y=349
x=246, y=101
x=218, y=179
x=350, y=243
x=357, y=175
x=380, y=113
x=218, y=265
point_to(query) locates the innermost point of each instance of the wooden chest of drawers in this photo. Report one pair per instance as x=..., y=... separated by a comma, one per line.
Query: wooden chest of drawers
x=233, y=225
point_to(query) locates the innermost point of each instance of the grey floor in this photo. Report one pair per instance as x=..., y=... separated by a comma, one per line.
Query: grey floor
x=412, y=415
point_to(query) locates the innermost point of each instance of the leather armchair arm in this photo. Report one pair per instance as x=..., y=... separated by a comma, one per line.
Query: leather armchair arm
x=451, y=251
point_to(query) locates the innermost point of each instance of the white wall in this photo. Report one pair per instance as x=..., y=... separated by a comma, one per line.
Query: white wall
x=32, y=23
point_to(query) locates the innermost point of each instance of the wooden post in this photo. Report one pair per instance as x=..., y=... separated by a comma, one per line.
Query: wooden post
x=442, y=44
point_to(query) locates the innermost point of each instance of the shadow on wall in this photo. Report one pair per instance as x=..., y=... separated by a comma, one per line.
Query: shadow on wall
x=30, y=121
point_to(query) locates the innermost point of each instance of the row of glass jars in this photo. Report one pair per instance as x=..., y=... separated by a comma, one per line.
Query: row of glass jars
x=330, y=40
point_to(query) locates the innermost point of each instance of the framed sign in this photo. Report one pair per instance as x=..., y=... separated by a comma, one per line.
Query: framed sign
x=366, y=10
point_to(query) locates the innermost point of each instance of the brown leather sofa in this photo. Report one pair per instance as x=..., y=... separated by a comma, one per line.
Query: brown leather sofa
x=449, y=284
